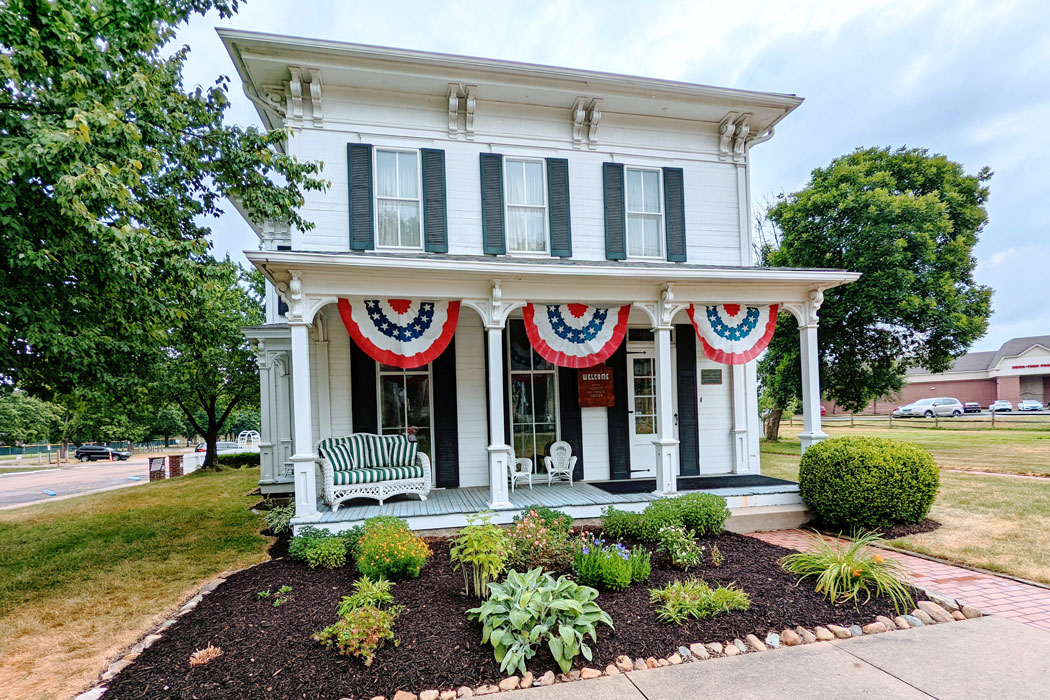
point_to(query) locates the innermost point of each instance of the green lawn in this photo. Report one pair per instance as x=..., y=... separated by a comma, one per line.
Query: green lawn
x=999, y=523
x=82, y=579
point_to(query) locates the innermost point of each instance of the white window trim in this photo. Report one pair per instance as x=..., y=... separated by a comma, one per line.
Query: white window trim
x=662, y=235
x=430, y=398
x=546, y=209
x=509, y=405
x=376, y=198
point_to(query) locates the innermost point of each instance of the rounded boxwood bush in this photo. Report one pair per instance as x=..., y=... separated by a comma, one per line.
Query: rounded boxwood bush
x=866, y=482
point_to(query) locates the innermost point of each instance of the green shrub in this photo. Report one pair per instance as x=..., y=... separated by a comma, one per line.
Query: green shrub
x=385, y=522
x=703, y=513
x=617, y=524
x=279, y=518
x=552, y=518
x=694, y=598
x=845, y=571
x=681, y=547
x=641, y=564
x=367, y=621
x=864, y=482
x=480, y=549
x=327, y=551
x=238, y=460
x=352, y=538
x=388, y=549
x=533, y=608
x=612, y=567
x=533, y=542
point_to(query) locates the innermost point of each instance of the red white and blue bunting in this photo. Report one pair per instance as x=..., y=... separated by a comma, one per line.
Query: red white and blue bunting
x=405, y=333
x=733, y=334
x=575, y=335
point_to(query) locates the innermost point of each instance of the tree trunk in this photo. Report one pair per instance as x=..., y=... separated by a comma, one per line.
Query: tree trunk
x=773, y=425
x=211, y=456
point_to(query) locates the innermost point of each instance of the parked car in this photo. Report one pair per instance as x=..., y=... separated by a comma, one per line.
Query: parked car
x=928, y=408
x=1000, y=405
x=1029, y=405
x=91, y=453
x=220, y=447
x=823, y=411
x=971, y=407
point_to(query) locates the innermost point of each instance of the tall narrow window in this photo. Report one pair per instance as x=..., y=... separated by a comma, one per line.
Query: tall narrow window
x=397, y=188
x=533, y=397
x=645, y=217
x=526, y=193
x=404, y=404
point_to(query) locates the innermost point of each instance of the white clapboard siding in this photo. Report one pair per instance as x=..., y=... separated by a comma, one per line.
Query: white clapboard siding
x=470, y=401
x=715, y=419
x=595, y=443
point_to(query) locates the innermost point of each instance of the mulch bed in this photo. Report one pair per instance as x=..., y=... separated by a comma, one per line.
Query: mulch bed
x=268, y=653
x=889, y=533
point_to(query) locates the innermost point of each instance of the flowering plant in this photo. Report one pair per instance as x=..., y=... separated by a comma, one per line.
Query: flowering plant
x=390, y=550
x=610, y=566
x=681, y=547
x=535, y=542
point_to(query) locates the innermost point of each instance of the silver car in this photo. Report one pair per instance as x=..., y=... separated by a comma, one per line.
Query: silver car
x=928, y=408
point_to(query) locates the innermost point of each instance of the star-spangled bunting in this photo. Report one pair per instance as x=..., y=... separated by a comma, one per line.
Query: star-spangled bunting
x=733, y=334
x=404, y=333
x=575, y=335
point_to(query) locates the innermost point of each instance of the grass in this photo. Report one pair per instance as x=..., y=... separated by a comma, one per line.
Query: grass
x=27, y=468
x=83, y=579
x=991, y=522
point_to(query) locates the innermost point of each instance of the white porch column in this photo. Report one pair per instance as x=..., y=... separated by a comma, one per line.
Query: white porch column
x=739, y=432
x=324, y=394
x=499, y=450
x=665, y=442
x=807, y=332
x=268, y=470
x=304, y=462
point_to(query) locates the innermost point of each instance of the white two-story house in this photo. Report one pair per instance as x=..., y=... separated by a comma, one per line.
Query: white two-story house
x=512, y=256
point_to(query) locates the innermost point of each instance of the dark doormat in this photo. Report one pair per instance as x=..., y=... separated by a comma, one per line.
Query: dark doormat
x=692, y=483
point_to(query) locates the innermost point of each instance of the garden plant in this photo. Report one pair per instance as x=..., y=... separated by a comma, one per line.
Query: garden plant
x=367, y=620
x=541, y=538
x=389, y=549
x=694, y=598
x=703, y=513
x=681, y=547
x=480, y=550
x=611, y=567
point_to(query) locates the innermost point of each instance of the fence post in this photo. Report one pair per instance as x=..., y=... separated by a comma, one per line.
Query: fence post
x=891, y=420
x=851, y=420
x=993, y=420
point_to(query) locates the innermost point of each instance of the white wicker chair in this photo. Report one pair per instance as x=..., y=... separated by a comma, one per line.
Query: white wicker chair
x=334, y=494
x=520, y=470
x=560, y=462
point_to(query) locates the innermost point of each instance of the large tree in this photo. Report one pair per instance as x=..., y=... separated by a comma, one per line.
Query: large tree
x=908, y=221
x=110, y=169
x=25, y=419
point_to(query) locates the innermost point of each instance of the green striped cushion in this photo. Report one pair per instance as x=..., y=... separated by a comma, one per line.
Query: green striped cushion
x=368, y=476
x=368, y=451
x=400, y=450
x=338, y=453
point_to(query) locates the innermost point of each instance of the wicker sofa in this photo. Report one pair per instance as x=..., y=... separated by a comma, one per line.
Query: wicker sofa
x=364, y=465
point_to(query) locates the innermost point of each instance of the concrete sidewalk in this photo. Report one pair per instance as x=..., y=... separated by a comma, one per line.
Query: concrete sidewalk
x=990, y=657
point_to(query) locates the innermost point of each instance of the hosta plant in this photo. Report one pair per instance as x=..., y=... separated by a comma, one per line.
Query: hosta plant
x=480, y=550
x=533, y=608
x=847, y=571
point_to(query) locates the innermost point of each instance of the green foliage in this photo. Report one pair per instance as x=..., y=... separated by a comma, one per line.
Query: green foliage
x=552, y=518
x=703, y=513
x=541, y=539
x=694, y=598
x=327, y=552
x=717, y=558
x=846, y=571
x=533, y=608
x=388, y=549
x=282, y=596
x=368, y=618
x=866, y=482
x=641, y=561
x=352, y=538
x=111, y=169
x=681, y=547
x=238, y=460
x=279, y=518
x=25, y=419
x=611, y=567
x=367, y=594
x=480, y=550
x=617, y=524
x=908, y=221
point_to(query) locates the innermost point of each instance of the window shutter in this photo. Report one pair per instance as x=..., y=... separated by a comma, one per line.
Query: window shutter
x=570, y=419
x=674, y=206
x=359, y=179
x=492, y=230
x=363, y=401
x=618, y=418
x=435, y=217
x=615, y=215
x=558, y=207
x=688, y=421
x=446, y=418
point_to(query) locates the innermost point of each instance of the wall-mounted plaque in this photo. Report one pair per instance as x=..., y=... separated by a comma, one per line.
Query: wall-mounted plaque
x=710, y=376
x=594, y=386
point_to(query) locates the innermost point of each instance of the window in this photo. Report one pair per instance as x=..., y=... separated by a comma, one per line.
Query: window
x=526, y=206
x=644, y=373
x=404, y=404
x=645, y=217
x=398, y=199
x=533, y=398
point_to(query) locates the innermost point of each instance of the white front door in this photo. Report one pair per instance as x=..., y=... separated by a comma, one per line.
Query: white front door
x=641, y=395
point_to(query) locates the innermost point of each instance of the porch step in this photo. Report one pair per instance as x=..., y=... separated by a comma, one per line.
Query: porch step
x=758, y=518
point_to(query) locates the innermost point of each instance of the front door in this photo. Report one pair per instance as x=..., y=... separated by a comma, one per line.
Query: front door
x=641, y=394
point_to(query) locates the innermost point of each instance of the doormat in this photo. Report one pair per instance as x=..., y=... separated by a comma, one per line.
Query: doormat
x=692, y=483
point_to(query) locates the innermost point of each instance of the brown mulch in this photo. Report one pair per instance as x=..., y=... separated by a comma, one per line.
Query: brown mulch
x=888, y=533
x=268, y=653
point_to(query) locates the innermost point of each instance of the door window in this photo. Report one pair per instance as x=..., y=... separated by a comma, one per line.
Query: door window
x=404, y=404
x=644, y=396
x=533, y=398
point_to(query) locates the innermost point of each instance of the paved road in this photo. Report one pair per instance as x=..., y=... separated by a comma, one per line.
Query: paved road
x=23, y=489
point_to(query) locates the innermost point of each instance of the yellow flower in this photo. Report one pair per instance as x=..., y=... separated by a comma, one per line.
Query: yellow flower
x=878, y=558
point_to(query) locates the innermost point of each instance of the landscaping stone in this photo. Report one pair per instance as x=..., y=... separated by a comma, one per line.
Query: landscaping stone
x=209, y=587
x=901, y=622
x=700, y=651
x=624, y=663
x=115, y=668
x=574, y=674
x=132, y=656
x=611, y=670
x=739, y=644
x=685, y=653
x=149, y=641
x=935, y=611
x=890, y=625
x=790, y=638
x=374, y=697
x=640, y=665
x=914, y=621
x=431, y=694
x=856, y=630
x=823, y=634
x=949, y=604
x=840, y=632
x=662, y=663
x=957, y=615
x=731, y=650
x=527, y=679
x=875, y=628
x=589, y=673
x=971, y=612
x=404, y=695
x=547, y=678
x=650, y=662
x=448, y=695
x=807, y=636
x=508, y=683
x=755, y=643
x=465, y=692
x=714, y=648
x=483, y=690
x=93, y=694
x=165, y=625
x=674, y=659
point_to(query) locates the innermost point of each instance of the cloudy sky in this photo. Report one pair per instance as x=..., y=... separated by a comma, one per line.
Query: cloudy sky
x=967, y=79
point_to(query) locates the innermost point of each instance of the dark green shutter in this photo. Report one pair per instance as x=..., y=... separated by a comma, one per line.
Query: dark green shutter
x=570, y=419
x=446, y=418
x=359, y=179
x=492, y=232
x=618, y=417
x=363, y=403
x=674, y=207
x=688, y=422
x=435, y=217
x=558, y=208
x=615, y=214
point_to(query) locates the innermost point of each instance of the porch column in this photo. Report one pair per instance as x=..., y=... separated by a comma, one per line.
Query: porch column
x=267, y=470
x=738, y=385
x=811, y=430
x=499, y=450
x=665, y=442
x=304, y=462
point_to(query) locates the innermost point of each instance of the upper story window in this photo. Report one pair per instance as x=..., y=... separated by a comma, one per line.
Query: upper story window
x=526, y=190
x=645, y=216
x=398, y=189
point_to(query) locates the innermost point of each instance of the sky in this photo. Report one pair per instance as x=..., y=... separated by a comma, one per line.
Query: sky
x=970, y=80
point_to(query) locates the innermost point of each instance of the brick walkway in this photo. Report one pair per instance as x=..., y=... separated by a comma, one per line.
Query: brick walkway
x=992, y=594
